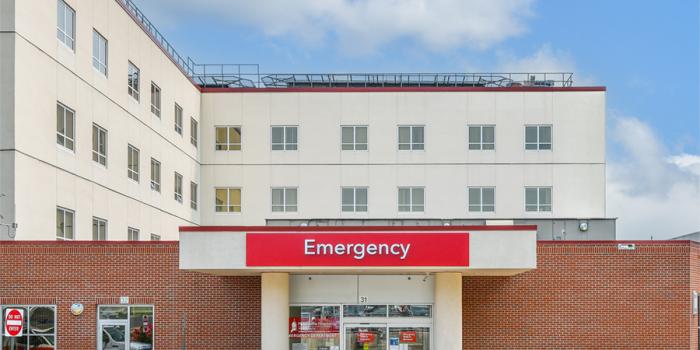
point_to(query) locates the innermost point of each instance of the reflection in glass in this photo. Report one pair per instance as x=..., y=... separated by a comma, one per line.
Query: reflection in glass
x=141, y=326
x=314, y=327
x=113, y=312
x=414, y=338
x=365, y=338
x=364, y=310
x=409, y=311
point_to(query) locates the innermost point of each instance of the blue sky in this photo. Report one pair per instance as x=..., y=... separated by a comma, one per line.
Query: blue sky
x=646, y=53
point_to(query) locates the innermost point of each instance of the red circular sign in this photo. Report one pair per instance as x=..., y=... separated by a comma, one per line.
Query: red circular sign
x=13, y=323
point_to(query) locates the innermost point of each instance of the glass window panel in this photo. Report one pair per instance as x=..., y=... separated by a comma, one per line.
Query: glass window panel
x=404, y=134
x=488, y=196
x=361, y=134
x=413, y=338
x=41, y=320
x=531, y=134
x=361, y=208
x=364, y=310
x=290, y=197
x=410, y=310
x=418, y=146
x=404, y=196
x=546, y=146
x=545, y=196
x=474, y=196
x=361, y=147
x=277, y=196
x=488, y=146
x=291, y=134
x=348, y=196
x=113, y=312
x=141, y=326
x=235, y=135
x=361, y=196
x=348, y=134
x=68, y=226
x=474, y=134
x=530, y=146
x=417, y=136
x=234, y=196
x=221, y=196
x=531, y=196
x=277, y=134
x=347, y=147
x=488, y=134
x=314, y=327
x=545, y=134
x=60, y=223
x=418, y=195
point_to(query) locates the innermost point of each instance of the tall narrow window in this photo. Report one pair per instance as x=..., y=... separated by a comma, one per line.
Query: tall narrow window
x=65, y=219
x=155, y=99
x=99, y=144
x=65, y=126
x=132, y=234
x=228, y=200
x=133, y=163
x=412, y=137
x=134, y=81
x=538, y=137
x=99, y=229
x=284, y=199
x=354, y=199
x=228, y=138
x=482, y=199
x=284, y=138
x=193, y=195
x=482, y=137
x=65, y=30
x=99, y=52
x=178, y=119
x=411, y=199
x=178, y=187
x=354, y=138
x=155, y=175
x=538, y=199
x=194, y=132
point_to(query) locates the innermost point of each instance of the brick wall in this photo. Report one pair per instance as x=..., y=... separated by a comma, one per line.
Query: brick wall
x=219, y=312
x=588, y=295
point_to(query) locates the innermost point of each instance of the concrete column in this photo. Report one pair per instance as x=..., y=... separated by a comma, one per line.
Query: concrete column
x=274, y=309
x=447, y=314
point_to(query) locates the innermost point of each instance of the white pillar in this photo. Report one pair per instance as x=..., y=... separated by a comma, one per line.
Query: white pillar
x=274, y=309
x=448, y=311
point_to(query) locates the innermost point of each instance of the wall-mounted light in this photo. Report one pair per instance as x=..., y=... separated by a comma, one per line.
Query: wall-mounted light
x=77, y=309
x=583, y=225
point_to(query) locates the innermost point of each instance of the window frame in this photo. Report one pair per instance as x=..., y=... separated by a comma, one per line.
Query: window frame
x=155, y=99
x=61, y=33
x=129, y=233
x=540, y=207
x=412, y=146
x=65, y=211
x=64, y=135
x=194, y=132
x=128, y=318
x=97, y=156
x=353, y=146
x=177, y=187
x=355, y=207
x=412, y=206
x=155, y=183
x=229, y=146
x=99, y=221
x=133, y=174
x=480, y=206
x=179, y=113
x=155, y=237
x=539, y=143
x=27, y=319
x=194, y=192
x=99, y=65
x=227, y=204
x=286, y=208
x=285, y=144
x=134, y=85
x=481, y=144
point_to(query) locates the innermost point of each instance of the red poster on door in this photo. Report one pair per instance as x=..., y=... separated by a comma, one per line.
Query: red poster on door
x=408, y=336
x=365, y=337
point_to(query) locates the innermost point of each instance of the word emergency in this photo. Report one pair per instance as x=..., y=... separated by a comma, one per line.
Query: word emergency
x=357, y=250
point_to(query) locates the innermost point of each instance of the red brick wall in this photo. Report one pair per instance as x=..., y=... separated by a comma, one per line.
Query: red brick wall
x=588, y=295
x=219, y=312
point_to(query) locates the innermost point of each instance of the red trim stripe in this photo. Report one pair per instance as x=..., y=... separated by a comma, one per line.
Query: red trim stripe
x=354, y=228
x=406, y=89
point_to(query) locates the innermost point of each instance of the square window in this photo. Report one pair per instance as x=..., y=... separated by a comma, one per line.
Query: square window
x=284, y=199
x=284, y=138
x=228, y=138
x=354, y=138
x=354, y=199
x=412, y=137
x=99, y=229
x=411, y=199
x=227, y=200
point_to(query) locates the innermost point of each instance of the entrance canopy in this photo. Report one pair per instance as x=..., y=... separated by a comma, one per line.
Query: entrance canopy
x=250, y=250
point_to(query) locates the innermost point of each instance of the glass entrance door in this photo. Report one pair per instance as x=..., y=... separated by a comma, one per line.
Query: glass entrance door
x=365, y=337
x=112, y=336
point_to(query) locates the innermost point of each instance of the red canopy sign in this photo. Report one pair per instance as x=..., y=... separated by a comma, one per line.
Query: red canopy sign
x=357, y=249
x=14, y=321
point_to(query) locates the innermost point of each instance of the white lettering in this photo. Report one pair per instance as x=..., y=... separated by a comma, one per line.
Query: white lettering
x=405, y=251
x=308, y=245
x=358, y=250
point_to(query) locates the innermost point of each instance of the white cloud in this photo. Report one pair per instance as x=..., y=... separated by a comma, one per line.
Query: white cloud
x=652, y=192
x=361, y=26
x=545, y=59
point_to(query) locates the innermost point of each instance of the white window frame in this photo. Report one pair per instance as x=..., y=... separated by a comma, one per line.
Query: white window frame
x=100, y=136
x=227, y=205
x=194, y=132
x=133, y=173
x=64, y=211
x=155, y=237
x=285, y=145
x=134, y=85
x=178, y=187
x=194, y=192
x=155, y=99
x=132, y=234
x=353, y=146
x=228, y=145
x=178, y=118
x=26, y=333
x=155, y=182
x=63, y=139
x=412, y=146
x=480, y=207
x=101, y=223
x=100, y=52
x=354, y=207
x=539, y=144
x=412, y=206
x=65, y=35
x=539, y=207
x=481, y=145
x=284, y=206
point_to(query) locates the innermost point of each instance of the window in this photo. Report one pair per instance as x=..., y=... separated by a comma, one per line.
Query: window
x=99, y=52
x=155, y=237
x=134, y=76
x=228, y=138
x=65, y=219
x=317, y=327
x=155, y=175
x=410, y=310
x=132, y=234
x=284, y=138
x=411, y=199
x=65, y=126
x=125, y=326
x=178, y=119
x=284, y=199
x=538, y=137
x=411, y=137
x=365, y=310
x=354, y=138
x=155, y=99
x=178, y=187
x=194, y=132
x=228, y=200
x=354, y=199
x=193, y=195
x=133, y=163
x=66, y=24
x=481, y=137
x=99, y=144
x=482, y=199
x=99, y=229
x=39, y=328
x=538, y=199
